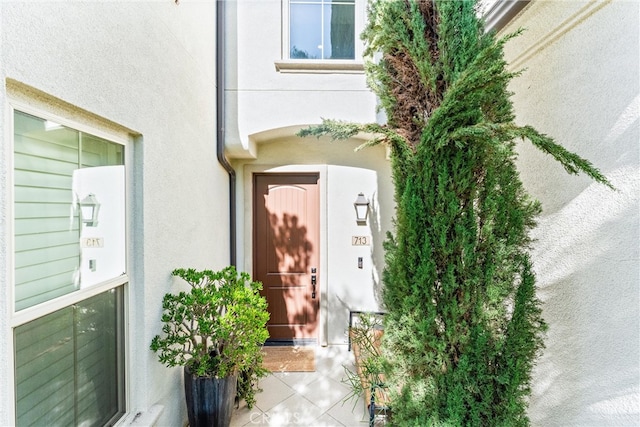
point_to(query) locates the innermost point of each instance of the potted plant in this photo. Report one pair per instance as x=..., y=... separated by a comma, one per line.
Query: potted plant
x=368, y=379
x=215, y=331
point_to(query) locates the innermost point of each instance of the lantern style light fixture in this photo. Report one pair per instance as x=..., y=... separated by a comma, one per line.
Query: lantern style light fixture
x=89, y=208
x=362, y=209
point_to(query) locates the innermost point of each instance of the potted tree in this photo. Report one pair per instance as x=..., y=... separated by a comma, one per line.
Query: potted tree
x=215, y=331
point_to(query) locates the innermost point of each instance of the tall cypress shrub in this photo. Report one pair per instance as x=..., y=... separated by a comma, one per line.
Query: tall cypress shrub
x=464, y=326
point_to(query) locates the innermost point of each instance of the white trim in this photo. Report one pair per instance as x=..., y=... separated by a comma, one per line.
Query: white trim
x=24, y=99
x=320, y=66
x=142, y=418
x=42, y=309
x=11, y=267
x=284, y=22
x=129, y=150
x=9, y=262
x=47, y=115
x=247, y=199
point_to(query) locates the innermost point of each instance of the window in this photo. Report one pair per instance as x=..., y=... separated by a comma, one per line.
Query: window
x=69, y=275
x=68, y=365
x=322, y=29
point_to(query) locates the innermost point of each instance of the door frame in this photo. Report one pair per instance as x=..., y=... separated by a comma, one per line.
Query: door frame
x=262, y=182
x=247, y=210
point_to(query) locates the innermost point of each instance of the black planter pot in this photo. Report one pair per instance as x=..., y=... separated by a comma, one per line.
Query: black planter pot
x=209, y=400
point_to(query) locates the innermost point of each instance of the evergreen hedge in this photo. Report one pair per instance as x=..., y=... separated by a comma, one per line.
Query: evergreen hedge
x=464, y=325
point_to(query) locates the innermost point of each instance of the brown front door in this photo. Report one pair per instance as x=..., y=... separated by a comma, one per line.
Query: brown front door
x=286, y=252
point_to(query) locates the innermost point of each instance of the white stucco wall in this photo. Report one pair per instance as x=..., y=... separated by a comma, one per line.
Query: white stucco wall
x=265, y=107
x=581, y=86
x=343, y=174
x=259, y=98
x=145, y=69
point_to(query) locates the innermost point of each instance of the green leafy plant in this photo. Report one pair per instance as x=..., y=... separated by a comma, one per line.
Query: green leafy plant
x=463, y=326
x=367, y=379
x=217, y=328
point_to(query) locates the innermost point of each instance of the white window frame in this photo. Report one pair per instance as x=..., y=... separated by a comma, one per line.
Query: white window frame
x=342, y=66
x=21, y=317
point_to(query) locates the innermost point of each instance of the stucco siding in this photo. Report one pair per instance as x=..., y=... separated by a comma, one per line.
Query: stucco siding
x=147, y=69
x=145, y=72
x=581, y=85
x=265, y=107
x=260, y=98
x=343, y=174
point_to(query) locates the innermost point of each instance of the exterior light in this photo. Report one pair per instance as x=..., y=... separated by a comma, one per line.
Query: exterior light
x=89, y=208
x=362, y=209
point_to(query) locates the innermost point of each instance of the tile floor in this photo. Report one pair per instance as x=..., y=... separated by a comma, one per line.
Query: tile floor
x=311, y=399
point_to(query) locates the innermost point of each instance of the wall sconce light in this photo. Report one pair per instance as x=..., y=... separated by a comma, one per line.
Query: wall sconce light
x=362, y=209
x=89, y=208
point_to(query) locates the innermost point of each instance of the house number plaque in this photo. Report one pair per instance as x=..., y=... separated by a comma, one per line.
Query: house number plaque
x=92, y=242
x=360, y=241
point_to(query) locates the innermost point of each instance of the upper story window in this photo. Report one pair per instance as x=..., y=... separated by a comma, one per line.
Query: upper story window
x=322, y=29
x=321, y=36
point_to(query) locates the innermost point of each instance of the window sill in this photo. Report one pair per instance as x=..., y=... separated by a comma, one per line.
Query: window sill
x=144, y=418
x=312, y=66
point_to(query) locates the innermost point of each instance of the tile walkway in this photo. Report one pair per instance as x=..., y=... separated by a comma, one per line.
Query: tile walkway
x=313, y=399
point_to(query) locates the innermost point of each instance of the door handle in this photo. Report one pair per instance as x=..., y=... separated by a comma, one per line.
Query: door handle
x=313, y=282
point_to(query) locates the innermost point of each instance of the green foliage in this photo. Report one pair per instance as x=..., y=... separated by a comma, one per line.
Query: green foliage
x=365, y=340
x=217, y=328
x=464, y=326
x=249, y=377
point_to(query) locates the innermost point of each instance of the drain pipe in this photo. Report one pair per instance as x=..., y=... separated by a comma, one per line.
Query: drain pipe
x=220, y=116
